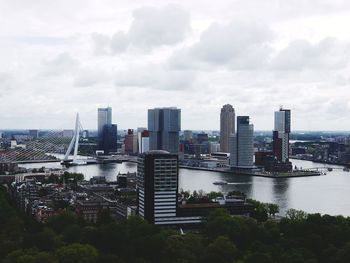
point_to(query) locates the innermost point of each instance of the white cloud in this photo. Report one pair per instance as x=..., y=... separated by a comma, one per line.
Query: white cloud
x=151, y=27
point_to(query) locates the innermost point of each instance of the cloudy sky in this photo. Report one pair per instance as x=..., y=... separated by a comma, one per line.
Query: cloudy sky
x=62, y=57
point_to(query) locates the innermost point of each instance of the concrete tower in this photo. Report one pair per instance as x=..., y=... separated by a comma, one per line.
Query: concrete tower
x=227, y=126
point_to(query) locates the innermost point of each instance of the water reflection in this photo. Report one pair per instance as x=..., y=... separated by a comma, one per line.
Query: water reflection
x=324, y=194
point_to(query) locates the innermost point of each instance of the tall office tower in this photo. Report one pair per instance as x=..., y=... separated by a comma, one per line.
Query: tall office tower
x=157, y=186
x=188, y=135
x=109, y=137
x=227, y=126
x=104, y=117
x=281, y=135
x=164, y=125
x=242, y=144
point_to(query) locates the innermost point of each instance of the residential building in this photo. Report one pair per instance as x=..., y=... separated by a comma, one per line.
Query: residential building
x=281, y=135
x=157, y=184
x=157, y=193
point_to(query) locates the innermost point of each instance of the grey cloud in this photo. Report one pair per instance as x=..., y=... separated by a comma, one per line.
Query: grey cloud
x=155, y=77
x=101, y=43
x=300, y=54
x=5, y=82
x=238, y=45
x=89, y=77
x=119, y=42
x=150, y=28
x=61, y=64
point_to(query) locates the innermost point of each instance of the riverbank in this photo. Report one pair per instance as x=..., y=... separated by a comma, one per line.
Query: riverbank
x=37, y=161
x=302, y=173
x=321, y=162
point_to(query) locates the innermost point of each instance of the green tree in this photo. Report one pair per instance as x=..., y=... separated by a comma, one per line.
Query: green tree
x=60, y=222
x=296, y=215
x=43, y=240
x=30, y=256
x=258, y=257
x=77, y=253
x=104, y=217
x=213, y=195
x=72, y=234
x=272, y=209
x=221, y=250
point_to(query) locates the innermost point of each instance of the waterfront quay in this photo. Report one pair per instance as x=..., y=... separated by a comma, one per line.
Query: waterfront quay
x=257, y=172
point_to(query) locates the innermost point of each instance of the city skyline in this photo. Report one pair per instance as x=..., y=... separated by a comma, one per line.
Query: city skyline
x=62, y=58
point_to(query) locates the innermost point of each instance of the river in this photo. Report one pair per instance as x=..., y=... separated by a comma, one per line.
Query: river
x=327, y=194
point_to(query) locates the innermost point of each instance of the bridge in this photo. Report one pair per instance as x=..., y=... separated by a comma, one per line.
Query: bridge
x=75, y=143
x=50, y=146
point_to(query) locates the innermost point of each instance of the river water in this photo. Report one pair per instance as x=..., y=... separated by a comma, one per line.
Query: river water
x=327, y=194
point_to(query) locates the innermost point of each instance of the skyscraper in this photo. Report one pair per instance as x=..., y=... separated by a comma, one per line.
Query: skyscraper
x=104, y=117
x=109, y=137
x=107, y=132
x=242, y=144
x=157, y=186
x=131, y=142
x=227, y=126
x=164, y=125
x=281, y=135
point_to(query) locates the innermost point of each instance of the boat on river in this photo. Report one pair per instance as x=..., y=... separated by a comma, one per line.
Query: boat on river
x=220, y=183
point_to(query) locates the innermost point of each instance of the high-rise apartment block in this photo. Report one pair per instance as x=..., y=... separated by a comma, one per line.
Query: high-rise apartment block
x=227, y=126
x=242, y=144
x=164, y=125
x=281, y=135
x=157, y=184
x=157, y=193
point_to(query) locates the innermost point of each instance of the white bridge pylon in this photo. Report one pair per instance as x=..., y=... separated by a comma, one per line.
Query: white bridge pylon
x=74, y=142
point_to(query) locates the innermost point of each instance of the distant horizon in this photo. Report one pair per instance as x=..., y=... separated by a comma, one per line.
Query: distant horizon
x=193, y=130
x=59, y=58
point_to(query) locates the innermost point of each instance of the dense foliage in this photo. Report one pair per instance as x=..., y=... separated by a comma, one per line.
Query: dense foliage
x=63, y=239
